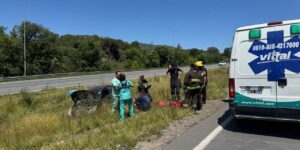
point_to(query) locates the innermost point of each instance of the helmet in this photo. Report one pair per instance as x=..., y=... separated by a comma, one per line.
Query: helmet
x=199, y=63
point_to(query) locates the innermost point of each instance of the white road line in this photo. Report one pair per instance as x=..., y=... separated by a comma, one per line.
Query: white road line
x=204, y=143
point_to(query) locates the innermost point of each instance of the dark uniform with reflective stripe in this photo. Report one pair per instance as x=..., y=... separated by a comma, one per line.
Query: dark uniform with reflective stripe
x=193, y=82
x=144, y=84
x=203, y=72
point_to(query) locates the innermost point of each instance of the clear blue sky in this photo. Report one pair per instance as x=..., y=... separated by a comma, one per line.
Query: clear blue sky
x=192, y=23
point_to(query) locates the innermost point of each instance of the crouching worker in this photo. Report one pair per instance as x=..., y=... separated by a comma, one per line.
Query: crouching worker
x=143, y=84
x=143, y=102
x=193, y=82
x=125, y=96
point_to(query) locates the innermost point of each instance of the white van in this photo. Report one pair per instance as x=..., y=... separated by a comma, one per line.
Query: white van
x=264, y=72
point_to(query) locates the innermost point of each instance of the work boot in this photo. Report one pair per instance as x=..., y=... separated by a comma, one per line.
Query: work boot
x=186, y=101
x=203, y=97
x=194, y=103
x=173, y=98
x=178, y=98
x=194, y=106
x=198, y=111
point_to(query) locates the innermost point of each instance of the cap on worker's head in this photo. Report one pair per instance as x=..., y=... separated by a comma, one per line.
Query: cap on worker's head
x=142, y=76
x=199, y=63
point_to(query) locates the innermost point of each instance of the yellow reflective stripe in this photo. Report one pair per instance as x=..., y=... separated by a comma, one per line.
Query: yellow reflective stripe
x=193, y=88
x=196, y=80
x=146, y=84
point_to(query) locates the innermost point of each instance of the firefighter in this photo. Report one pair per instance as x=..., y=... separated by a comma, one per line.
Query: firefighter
x=192, y=84
x=203, y=71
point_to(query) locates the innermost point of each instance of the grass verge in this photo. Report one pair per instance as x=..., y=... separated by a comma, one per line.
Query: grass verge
x=39, y=120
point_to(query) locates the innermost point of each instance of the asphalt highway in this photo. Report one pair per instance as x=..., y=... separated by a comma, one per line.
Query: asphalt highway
x=41, y=84
x=214, y=134
x=257, y=135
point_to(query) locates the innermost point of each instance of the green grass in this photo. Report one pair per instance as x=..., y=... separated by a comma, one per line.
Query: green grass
x=39, y=120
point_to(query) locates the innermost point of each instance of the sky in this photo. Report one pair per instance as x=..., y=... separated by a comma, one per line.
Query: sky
x=192, y=23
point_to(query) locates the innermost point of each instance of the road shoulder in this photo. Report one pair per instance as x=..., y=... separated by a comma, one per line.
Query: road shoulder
x=188, y=132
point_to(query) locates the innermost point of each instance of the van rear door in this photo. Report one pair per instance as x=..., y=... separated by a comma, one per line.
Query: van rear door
x=255, y=95
x=288, y=94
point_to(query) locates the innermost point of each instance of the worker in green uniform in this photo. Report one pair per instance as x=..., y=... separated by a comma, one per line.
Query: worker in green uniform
x=115, y=91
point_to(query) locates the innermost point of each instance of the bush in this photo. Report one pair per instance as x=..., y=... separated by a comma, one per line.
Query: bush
x=134, y=64
x=27, y=98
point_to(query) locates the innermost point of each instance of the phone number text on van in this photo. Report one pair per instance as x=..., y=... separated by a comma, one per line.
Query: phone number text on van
x=274, y=46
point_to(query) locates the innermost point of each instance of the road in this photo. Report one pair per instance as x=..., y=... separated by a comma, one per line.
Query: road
x=214, y=134
x=259, y=135
x=40, y=84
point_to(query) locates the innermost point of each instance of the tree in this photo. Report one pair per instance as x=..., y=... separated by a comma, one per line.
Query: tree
x=178, y=46
x=2, y=30
x=181, y=57
x=213, y=50
x=111, y=47
x=152, y=60
x=135, y=44
x=48, y=52
x=227, y=52
x=41, y=47
x=194, y=52
x=165, y=55
x=10, y=55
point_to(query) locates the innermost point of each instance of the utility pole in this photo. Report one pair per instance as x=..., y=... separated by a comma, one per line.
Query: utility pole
x=173, y=38
x=24, y=40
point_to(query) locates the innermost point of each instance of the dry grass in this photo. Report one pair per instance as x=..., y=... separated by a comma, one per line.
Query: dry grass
x=217, y=84
x=39, y=120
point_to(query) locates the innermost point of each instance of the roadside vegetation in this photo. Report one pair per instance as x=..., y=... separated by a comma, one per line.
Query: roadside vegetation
x=39, y=120
x=48, y=52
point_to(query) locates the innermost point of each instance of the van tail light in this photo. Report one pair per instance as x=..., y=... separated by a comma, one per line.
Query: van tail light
x=231, y=88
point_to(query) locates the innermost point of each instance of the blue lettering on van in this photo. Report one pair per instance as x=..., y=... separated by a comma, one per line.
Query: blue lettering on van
x=276, y=55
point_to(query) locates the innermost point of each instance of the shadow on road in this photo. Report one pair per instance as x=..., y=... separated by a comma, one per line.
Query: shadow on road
x=266, y=128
